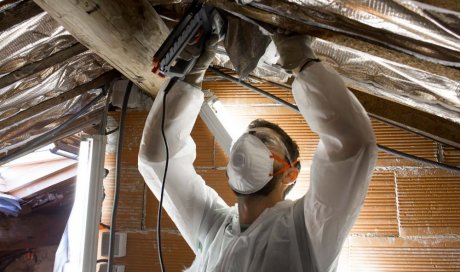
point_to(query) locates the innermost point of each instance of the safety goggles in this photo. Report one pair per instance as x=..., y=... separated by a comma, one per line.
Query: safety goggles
x=271, y=139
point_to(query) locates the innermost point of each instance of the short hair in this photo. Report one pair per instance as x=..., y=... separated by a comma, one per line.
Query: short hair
x=292, y=149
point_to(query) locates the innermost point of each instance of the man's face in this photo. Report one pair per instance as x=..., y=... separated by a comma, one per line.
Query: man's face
x=256, y=158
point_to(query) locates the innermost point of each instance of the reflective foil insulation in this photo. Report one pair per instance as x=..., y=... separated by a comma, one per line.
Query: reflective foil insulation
x=31, y=41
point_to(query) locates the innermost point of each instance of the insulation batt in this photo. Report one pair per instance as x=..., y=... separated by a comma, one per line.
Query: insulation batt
x=302, y=235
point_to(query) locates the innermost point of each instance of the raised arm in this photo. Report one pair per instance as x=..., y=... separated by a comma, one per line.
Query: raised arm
x=344, y=160
x=187, y=199
x=192, y=205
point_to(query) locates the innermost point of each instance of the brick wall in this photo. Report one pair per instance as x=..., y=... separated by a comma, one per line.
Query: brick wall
x=410, y=220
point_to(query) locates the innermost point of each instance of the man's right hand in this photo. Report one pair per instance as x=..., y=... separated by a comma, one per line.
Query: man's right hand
x=196, y=75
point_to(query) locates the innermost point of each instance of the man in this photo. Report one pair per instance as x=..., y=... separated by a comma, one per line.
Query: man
x=264, y=232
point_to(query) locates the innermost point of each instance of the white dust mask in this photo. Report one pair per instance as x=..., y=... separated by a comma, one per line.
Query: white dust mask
x=251, y=165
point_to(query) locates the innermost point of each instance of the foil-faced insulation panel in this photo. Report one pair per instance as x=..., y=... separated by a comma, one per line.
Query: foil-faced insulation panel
x=427, y=32
x=34, y=127
x=30, y=41
x=50, y=83
x=395, y=81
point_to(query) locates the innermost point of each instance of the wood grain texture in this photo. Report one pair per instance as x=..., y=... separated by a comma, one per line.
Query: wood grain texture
x=124, y=33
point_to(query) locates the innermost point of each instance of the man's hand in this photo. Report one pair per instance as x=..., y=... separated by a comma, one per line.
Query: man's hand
x=294, y=51
x=196, y=75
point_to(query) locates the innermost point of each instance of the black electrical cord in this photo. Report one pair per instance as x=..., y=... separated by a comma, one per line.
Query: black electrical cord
x=163, y=116
x=295, y=108
x=48, y=136
x=111, y=131
x=118, y=175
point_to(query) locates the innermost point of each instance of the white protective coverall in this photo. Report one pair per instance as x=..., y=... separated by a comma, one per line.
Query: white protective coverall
x=340, y=174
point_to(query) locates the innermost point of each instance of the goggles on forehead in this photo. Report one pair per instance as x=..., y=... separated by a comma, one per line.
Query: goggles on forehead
x=250, y=166
x=271, y=139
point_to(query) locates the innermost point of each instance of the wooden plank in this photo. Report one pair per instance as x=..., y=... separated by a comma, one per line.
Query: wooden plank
x=124, y=33
x=37, y=109
x=53, y=179
x=18, y=14
x=22, y=176
x=38, y=66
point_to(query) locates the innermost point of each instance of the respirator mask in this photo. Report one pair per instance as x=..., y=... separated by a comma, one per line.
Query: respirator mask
x=251, y=162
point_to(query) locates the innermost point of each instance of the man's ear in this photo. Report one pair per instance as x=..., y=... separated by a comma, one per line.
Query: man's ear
x=290, y=176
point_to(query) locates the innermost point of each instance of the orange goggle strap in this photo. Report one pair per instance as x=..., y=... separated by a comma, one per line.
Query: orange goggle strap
x=286, y=165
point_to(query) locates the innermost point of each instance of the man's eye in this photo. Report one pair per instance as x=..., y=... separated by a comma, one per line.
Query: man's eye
x=265, y=139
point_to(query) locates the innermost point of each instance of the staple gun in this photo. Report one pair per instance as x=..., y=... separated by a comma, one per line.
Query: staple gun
x=192, y=31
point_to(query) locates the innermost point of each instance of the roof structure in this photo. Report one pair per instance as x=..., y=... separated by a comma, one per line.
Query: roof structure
x=58, y=57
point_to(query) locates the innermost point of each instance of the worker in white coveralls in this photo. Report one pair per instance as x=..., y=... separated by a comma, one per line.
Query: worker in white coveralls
x=265, y=232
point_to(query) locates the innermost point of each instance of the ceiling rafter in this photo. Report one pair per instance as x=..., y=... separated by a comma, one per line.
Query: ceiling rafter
x=124, y=33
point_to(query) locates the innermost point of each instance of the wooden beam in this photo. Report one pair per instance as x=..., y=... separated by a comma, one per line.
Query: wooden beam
x=38, y=66
x=37, y=109
x=126, y=34
x=40, y=184
x=422, y=123
x=18, y=14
